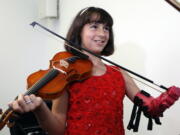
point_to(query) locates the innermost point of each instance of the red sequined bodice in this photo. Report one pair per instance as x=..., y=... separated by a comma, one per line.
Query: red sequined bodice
x=96, y=105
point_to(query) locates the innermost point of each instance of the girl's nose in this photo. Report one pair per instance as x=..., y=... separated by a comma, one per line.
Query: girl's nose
x=101, y=32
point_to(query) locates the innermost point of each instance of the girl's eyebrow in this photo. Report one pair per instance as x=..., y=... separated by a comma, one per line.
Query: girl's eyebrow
x=94, y=22
x=98, y=22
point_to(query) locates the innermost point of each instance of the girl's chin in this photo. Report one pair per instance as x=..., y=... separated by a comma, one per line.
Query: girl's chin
x=97, y=52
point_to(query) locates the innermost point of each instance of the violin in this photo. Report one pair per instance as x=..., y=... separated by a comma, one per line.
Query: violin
x=64, y=69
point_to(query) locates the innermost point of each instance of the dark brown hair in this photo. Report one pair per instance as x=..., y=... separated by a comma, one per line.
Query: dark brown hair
x=86, y=16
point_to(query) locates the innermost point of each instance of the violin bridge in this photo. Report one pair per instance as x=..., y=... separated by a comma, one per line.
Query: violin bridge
x=60, y=70
x=64, y=63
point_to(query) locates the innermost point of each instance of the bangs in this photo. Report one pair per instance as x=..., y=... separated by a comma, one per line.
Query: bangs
x=98, y=17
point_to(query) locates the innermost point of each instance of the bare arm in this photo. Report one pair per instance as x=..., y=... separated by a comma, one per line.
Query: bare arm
x=156, y=106
x=131, y=88
x=54, y=122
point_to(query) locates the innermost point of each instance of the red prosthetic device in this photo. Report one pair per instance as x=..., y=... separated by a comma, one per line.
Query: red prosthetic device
x=156, y=106
x=152, y=108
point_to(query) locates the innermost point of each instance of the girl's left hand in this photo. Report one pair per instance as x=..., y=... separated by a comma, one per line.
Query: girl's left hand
x=26, y=103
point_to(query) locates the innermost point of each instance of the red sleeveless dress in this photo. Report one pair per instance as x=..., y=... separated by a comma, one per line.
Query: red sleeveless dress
x=96, y=105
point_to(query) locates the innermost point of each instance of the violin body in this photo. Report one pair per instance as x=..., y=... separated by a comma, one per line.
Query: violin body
x=71, y=68
x=64, y=69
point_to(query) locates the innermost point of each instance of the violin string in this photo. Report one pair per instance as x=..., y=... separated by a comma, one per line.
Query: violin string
x=147, y=84
x=140, y=81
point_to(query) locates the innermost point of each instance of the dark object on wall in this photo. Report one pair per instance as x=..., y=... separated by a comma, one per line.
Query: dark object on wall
x=27, y=124
x=174, y=3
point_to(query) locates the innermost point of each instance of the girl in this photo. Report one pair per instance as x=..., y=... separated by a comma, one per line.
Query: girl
x=93, y=106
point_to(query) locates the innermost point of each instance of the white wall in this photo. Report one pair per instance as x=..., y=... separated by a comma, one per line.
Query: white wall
x=146, y=38
x=23, y=50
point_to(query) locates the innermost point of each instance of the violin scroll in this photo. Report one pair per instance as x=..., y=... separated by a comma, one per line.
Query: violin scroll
x=5, y=116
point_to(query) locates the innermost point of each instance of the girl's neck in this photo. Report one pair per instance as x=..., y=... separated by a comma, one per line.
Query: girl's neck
x=95, y=60
x=99, y=67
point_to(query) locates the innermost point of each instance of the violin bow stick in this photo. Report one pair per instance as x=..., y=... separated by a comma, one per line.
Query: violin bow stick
x=96, y=55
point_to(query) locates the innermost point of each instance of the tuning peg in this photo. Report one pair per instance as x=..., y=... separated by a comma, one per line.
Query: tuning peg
x=10, y=124
x=1, y=111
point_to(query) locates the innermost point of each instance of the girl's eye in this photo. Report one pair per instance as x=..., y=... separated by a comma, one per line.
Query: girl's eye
x=94, y=26
x=107, y=28
x=98, y=26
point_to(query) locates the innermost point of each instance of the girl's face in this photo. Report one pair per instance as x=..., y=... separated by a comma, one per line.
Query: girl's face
x=95, y=36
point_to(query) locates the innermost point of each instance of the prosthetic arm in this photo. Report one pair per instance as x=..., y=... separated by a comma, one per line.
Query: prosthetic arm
x=152, y=108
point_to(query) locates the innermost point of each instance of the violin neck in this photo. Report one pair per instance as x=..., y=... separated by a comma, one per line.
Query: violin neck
x=43, y=81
